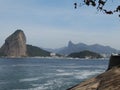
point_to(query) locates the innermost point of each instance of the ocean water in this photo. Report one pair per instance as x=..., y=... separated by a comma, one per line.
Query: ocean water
x=47, y=74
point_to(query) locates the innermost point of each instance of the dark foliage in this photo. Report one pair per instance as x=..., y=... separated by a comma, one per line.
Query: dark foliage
x=99, y=5
x=2, y=54
x=36, y=51
x=84, y=54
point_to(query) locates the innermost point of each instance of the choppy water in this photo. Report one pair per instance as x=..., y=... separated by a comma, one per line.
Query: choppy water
x=46, y=74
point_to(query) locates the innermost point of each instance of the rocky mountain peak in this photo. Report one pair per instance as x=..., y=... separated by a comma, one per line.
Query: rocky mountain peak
x=70, y=44
x=15, y=45
x=17, y=35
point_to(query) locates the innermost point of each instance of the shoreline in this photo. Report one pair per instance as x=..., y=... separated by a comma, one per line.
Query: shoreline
x=69, y=58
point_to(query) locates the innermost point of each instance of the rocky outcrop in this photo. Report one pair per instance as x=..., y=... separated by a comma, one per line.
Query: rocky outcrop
x=114, y=61
x=15, y=45
x=109, y=80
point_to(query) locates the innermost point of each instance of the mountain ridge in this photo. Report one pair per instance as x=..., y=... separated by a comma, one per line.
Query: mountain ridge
x=72, y=48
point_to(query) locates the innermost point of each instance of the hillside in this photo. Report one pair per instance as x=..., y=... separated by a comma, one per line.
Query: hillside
x=36, y=51
x=85, y=54
x=71, y=48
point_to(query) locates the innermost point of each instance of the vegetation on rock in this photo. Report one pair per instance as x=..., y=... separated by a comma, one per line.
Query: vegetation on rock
x=36, y=51
x=85, y=54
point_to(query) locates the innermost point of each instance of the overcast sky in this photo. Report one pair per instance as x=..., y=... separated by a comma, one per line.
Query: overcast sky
x=52, y=23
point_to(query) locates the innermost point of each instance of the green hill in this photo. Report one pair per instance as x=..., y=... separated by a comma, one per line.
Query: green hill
x=36, y=51
x=85, y=54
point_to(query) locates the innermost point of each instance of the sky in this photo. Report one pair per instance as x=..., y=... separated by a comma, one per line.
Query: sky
x=52, y=23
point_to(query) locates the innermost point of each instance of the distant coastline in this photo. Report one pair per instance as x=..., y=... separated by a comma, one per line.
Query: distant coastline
x=15, y=47
x=67, y=58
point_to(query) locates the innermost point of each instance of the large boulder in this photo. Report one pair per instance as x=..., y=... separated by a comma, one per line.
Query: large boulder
x=109, y=80
x=15, y=45
x=114, y=61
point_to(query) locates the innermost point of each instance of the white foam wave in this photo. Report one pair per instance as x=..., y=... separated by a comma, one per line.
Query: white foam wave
x=65, y=74
x=26, y=65
x=89, y=66
x=36, y=87
x=49, y=85
x=60, y=70
x=29, y=79
x=39, y=88
x=86, y=74
x=80, y=74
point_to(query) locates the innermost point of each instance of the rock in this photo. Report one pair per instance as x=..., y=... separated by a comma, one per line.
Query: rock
x=15, y=45
x=114, y=61
x=109, y=80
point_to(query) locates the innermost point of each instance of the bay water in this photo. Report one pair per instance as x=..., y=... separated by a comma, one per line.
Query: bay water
x=47, y=74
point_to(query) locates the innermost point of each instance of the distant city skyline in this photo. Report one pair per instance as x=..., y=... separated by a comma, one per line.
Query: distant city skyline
x=52, y=23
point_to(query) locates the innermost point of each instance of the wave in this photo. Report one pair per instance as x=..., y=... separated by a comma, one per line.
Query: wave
x=65, y=74
x=89, y=66
x=60, y=70
x=30, y=79
x=26, y=65
x=3, y=82
x=80, y=74
x=49, y=85
x=54, y=83
x=85, y=74
x=39, y=88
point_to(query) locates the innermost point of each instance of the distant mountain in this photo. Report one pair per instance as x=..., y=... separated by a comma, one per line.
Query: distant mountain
x=85, y=54
x=71, y=48
x=15, y=46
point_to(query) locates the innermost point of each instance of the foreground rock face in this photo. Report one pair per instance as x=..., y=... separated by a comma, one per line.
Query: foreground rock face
x=15, y=45
x=109, y=80
x=114, y=61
